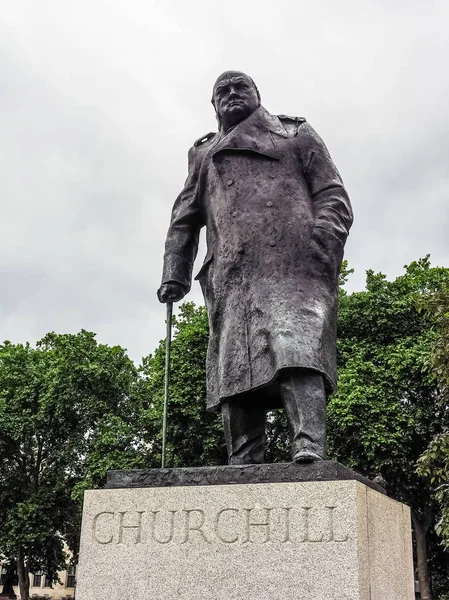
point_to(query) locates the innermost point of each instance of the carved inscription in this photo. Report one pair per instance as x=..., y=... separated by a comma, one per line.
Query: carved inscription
x=155, y=533
x=137, y=528
x=110, y=536
x=228, y=525
x=223, y=529
x=194, y=521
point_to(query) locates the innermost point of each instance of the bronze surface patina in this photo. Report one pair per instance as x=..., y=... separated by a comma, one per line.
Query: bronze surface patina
x=277, y=217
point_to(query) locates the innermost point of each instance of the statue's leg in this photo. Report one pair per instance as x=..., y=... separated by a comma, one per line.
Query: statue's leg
x=304, y=401
x=244, y=429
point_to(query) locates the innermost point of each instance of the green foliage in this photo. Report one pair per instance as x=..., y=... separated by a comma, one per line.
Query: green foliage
x=384, y=412
x=436, y=306
x=434, y=463
x=387, y=408
x=66, y=416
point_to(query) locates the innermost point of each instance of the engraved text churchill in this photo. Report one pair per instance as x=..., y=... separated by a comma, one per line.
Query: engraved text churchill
x=228, y=525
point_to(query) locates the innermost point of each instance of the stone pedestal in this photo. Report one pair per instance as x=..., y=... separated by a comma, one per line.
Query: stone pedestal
x=228, y=533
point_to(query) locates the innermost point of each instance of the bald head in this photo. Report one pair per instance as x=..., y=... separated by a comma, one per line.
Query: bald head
x=235, y=97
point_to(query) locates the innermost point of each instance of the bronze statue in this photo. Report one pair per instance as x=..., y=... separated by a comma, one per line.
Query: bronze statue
x=277, y=217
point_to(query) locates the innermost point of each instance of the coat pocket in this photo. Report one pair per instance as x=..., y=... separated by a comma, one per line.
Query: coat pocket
x=205, y=266
x=326, y=253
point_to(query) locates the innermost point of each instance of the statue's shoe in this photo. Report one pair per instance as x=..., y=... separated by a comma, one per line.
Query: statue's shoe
x=306, y=456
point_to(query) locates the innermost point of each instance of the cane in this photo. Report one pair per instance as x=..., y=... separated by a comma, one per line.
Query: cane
x=167, y=378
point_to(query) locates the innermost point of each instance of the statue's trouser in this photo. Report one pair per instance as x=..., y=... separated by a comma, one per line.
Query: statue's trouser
x=304, y=401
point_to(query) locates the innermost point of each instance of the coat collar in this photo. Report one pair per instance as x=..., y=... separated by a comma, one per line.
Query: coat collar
x=254, y=134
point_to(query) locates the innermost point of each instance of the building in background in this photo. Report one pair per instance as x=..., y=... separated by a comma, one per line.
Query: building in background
x=40, y=586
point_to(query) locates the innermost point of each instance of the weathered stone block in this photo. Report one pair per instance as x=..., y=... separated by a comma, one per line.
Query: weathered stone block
x=324, y=540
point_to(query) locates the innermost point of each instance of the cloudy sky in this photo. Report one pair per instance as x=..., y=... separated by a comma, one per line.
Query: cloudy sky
x=100, y=101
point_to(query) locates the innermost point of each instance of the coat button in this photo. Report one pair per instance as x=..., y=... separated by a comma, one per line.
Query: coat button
x=272, y=243
x=229, y=182
x=269, y=203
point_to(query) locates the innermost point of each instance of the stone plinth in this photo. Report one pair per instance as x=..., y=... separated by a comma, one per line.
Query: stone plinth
x=289, y=540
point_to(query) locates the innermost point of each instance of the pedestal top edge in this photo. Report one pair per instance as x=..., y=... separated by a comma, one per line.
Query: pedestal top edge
x=236, y=474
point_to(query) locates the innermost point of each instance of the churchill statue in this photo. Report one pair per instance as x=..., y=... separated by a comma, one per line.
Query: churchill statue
x=277, y=217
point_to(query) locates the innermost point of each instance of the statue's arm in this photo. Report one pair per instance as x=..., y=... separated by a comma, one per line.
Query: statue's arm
x=332, y=207
x=181, y=244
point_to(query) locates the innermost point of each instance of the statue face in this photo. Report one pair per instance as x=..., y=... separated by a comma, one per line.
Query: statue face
x=235, y=99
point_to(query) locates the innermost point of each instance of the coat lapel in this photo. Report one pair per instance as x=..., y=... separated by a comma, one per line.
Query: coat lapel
x=256, y=134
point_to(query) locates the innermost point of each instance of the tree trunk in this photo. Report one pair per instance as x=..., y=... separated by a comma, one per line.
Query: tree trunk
x=22, y=574
x=8, y=589
x=421, y=558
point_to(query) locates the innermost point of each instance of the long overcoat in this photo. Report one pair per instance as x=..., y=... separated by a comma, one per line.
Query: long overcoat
x=277, y=217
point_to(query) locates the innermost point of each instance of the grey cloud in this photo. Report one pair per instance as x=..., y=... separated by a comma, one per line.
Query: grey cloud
x=99, y=104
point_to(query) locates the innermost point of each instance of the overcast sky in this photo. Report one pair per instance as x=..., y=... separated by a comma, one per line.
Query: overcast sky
x=100, y=101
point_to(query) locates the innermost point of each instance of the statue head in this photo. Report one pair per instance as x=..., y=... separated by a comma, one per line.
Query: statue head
x=235, y=97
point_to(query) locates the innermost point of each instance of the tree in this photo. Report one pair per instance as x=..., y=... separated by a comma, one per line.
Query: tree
x=62, y=403
x=386, y=409
x=434, y=463
x=10, y=577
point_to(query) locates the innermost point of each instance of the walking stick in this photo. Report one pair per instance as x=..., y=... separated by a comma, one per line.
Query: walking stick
x=167, y=378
